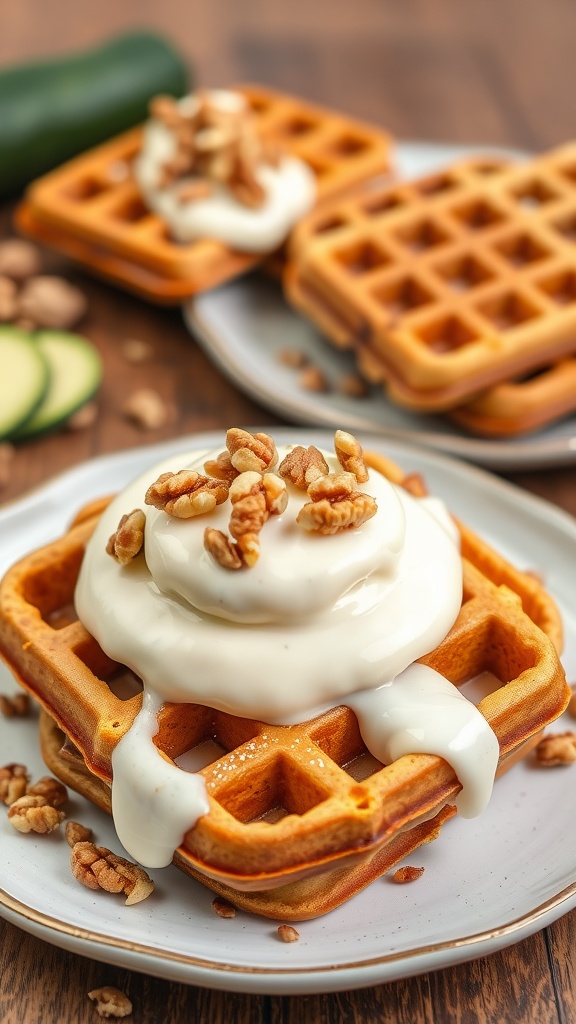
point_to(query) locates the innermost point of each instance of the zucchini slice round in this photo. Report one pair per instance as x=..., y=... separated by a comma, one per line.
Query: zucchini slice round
x=24, y=378
x=75, y=376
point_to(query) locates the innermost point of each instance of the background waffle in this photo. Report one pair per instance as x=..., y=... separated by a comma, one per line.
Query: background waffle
x=91, y=207
x=520, y=406
x=307, y=817
x=449, y=284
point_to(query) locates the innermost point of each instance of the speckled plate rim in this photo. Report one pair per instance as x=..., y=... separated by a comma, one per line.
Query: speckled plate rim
x=250, y=360
x=43, y=514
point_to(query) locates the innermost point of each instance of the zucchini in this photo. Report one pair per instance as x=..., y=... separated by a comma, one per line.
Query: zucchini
x=75, y=373
x=52, y=110
x=24, y=378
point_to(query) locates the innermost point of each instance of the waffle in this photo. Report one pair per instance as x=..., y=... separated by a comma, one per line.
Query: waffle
x=450, y=284
x=521, y=406
x=308, y=817
x=91, y=207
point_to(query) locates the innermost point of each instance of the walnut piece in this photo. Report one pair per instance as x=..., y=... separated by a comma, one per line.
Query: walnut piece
x=222, y=549
x=147, y=409
x=19, y=259
x=51, y=302
x=335, y=505
x=77, y=833
x=557, y=748
x=223, y=908
x=287, y=933
x=13, y=782
x=31, y=813
x=84, y=417
x=248, y=451
x=136, y=351
x=128, y=539
x=313, y=379
x=254, y=498
x=350, y=456
x=110, y=1001
x=295, y=358
x=221, y=468
x=415, y=484
x=407, y=874
x=17, y=706
x=53, y=791
x=186, y=493
x=572, y=706
x=99, y=868
x=303, y=465
x=353, y=386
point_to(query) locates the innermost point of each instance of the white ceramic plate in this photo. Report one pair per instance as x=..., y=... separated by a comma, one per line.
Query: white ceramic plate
x=488, y=882
x=246, y=324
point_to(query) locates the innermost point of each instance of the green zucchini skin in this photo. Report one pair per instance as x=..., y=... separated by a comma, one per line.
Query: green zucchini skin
x=53, y=110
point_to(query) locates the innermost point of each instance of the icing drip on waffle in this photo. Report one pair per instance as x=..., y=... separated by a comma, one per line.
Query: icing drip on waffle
x=317, y=622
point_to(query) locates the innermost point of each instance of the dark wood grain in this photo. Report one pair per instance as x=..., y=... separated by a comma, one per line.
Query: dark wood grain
x=493, y=71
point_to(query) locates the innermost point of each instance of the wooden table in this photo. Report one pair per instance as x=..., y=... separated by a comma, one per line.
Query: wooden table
x=499, y=72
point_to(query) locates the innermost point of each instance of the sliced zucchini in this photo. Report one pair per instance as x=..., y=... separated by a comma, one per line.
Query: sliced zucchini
x=24, y=378
x=75, y=376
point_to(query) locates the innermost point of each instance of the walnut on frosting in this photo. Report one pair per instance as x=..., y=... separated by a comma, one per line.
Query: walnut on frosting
x=255, y=497
x=335, y=505
x=186, y=493
x=350, y=456
x=127, y=540
x=303, y=465
x=248, y=451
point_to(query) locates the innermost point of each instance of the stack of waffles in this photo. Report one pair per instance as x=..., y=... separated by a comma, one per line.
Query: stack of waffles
x=456, y=292
x=92, y=209
x=308, y=817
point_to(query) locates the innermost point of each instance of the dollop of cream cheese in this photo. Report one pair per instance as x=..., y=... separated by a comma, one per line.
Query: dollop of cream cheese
x=290, y=192
x=317, y=622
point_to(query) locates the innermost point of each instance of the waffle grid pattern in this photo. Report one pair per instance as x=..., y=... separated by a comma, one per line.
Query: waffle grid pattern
x=451, y=283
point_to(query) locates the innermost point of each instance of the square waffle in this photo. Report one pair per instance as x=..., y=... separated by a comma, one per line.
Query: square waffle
x=449, y=284
x=91, y=207
x=308, y=817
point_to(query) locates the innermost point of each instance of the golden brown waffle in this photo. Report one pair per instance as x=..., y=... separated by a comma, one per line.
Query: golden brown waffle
x=450, y=284
x=91, y=207
x=520, y=406
x=308, y=817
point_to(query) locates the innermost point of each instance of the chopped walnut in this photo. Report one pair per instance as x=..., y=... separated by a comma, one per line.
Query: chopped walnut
x=313, y=379
x=222, y=549
x=557, y=748
x=415, y=484
x=335, y=505
x=18, y=259
x=295, y=358
x=135, y=350
x=31, y=813
x=221, y=468
x=186, y=493
x=77, y=833
x=223, y=908
x=353, y=386
x=17, y=706
x=51, y=302
x=287, y=933
x=197, y=188
x=303, y=465
x=250, y=452
x=127, y=542
x=407, y=874
x=147, y=409
x=7, y=453
x=110, y=1002
x=53, y=791
x=350, y=456
x=99, y=868
x=254, y=498
x=83, y=418
x=13, y=782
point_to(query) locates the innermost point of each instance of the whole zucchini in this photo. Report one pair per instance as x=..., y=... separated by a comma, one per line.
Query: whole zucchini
x=52, y=110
